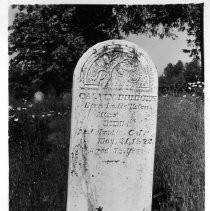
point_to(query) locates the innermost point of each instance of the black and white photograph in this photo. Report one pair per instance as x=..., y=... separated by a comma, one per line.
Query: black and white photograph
x=106, y=106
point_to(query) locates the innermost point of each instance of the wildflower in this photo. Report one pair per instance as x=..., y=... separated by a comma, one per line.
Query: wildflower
x=43, y=115
x=200, y=86
x=49, y=114
x=10, y=108
x=30, y=105
x=24, y=108
x=10, y=117
x=16, y=120
x=18, y=108
x=184, y=95
x=198, y=82
x=189, y=88
x=59, y=113
x=193, y=95
x=189, y=83
x=33, y=116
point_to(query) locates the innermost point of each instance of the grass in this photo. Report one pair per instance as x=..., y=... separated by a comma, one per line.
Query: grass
x=38, y=155
x=38, y=152
x=179, y=157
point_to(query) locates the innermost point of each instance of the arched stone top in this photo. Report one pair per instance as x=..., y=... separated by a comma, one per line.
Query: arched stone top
x=116, y=64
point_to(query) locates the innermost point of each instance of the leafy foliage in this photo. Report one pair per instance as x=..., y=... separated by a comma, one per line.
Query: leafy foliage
x=46, y=41
x=192, y=71
x=160, y=20
x=180, y=73
x=173, y=73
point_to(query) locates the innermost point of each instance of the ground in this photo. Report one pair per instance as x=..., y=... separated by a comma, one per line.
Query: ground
x=39, y=144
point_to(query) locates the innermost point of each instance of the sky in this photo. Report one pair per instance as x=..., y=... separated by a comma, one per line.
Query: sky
x=161, y=51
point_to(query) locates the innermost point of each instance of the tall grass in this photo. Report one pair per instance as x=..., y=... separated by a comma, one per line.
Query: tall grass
x=39, y=144
x=179, y=157
x=38, y=151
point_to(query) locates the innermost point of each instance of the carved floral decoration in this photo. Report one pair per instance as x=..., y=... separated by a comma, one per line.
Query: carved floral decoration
x=110, y=64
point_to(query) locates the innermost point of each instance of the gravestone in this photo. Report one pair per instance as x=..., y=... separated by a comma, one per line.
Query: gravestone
x=113, y=129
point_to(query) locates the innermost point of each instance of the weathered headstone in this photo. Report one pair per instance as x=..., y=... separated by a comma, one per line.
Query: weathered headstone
x=113, y=128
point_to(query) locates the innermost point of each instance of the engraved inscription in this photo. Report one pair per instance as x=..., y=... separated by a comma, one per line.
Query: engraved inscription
x=116, y=135
x=113, y=127
x=121, y=97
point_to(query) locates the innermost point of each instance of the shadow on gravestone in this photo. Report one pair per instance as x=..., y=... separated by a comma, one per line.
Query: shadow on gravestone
x=113, y=129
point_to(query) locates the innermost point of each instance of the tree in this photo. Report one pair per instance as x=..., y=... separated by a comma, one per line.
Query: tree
x=46, y=41
x=180, y=73
x=160, y=20
x=173, y=74
x=192, y=71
